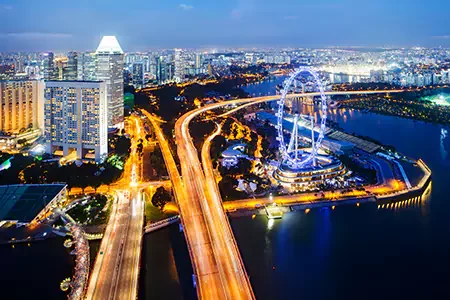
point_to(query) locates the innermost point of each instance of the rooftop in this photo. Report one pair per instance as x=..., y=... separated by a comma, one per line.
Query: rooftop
x=23, y=202
x=109, y=45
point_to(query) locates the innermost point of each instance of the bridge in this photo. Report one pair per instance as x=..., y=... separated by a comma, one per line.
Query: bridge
x=80, y=279
x=216, y=260
x=82, y=262
x=161, y=224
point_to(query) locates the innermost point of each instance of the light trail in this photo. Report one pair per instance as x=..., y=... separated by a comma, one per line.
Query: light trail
x=209, y=283
x=116, y=268
x=230, y=266
x=219, y=270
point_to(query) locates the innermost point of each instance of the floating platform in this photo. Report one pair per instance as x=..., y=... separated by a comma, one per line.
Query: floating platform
x=273, y=211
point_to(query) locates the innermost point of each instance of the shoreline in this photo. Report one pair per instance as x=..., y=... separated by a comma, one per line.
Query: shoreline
x=295, y=207
x=286, y=205
x=385, y=113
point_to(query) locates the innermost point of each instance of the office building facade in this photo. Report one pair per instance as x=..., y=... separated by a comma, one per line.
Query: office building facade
x=76, y=118
x=71, y=71
x=138, y=74
x=180, y=65
x=48, y=66
x=109, y=68
x=86, y=69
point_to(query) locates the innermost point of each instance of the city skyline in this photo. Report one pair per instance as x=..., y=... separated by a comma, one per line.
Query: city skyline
x=142, y=26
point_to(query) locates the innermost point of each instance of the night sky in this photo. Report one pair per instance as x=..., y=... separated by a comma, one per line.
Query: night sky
x=59, y=25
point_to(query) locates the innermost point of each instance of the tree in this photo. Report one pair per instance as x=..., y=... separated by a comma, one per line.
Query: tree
x=218, y=146
x=161, y=197
x=122, y=146
x=226, y=186
x=96, y=183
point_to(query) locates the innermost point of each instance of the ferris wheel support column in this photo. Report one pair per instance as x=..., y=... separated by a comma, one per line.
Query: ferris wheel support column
x=296, y=136
x=312, y=139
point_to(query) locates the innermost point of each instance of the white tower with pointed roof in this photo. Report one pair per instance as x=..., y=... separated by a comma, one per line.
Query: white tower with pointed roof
x=109, y=68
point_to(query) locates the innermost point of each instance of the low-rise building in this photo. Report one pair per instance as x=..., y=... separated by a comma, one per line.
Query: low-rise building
x=29, y=203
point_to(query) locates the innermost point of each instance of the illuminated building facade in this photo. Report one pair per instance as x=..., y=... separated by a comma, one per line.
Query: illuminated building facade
x=110, y=70
x=48, y=66
x=71, y=72
x=162, y=70
x=76, y=118
x=21, y=105
x=138, y=74
x=86, y=66
x=180, y=65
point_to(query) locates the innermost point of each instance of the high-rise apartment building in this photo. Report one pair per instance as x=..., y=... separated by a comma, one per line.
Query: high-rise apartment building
x=138, y=74
x=76, y=118
x=21, y=105
x=110, y=70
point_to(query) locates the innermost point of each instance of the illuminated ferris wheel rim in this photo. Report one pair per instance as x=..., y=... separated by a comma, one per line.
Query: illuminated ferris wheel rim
x=286, y=158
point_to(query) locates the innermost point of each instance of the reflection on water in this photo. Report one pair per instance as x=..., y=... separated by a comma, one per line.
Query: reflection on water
x=444, y=152
x=34, y=270
x=414, y=202
x=375, y=251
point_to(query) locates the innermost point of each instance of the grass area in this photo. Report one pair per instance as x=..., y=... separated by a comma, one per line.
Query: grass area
x=93, y=212
x=441, y=99
x=152, y=213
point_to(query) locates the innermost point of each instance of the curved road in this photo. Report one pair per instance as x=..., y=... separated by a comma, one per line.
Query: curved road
x=204, y=202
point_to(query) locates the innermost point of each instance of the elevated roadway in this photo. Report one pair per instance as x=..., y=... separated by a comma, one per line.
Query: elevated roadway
x=208, y=281
x=219, y=270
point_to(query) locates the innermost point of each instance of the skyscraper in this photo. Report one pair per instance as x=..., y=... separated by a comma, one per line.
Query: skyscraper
x=71, y=72
x=110, y=70
x=179, y=65
x=138, y=74
x=198, y=60
x=161, y=70
x=48, y=66
x=86, y=69
x=20, y=105
x=76, y=118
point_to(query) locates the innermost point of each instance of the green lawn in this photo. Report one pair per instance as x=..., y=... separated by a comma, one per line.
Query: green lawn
x=152, y=213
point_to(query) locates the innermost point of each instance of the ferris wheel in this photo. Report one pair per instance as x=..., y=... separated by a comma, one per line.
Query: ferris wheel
x=289, y=153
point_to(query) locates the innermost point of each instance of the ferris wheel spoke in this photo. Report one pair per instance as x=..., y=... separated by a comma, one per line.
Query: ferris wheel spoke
x=295, y=160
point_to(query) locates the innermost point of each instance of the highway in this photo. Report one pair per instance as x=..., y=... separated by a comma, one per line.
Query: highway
x=207, y=199
x=231, y=256
x=252, y=101
x=208, y=280
x=226, y=254
x=218, y=267
x=116, y=268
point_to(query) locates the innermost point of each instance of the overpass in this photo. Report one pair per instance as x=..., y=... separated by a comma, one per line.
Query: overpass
x=209, y=284
x=198, y=186
x=218, y=267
